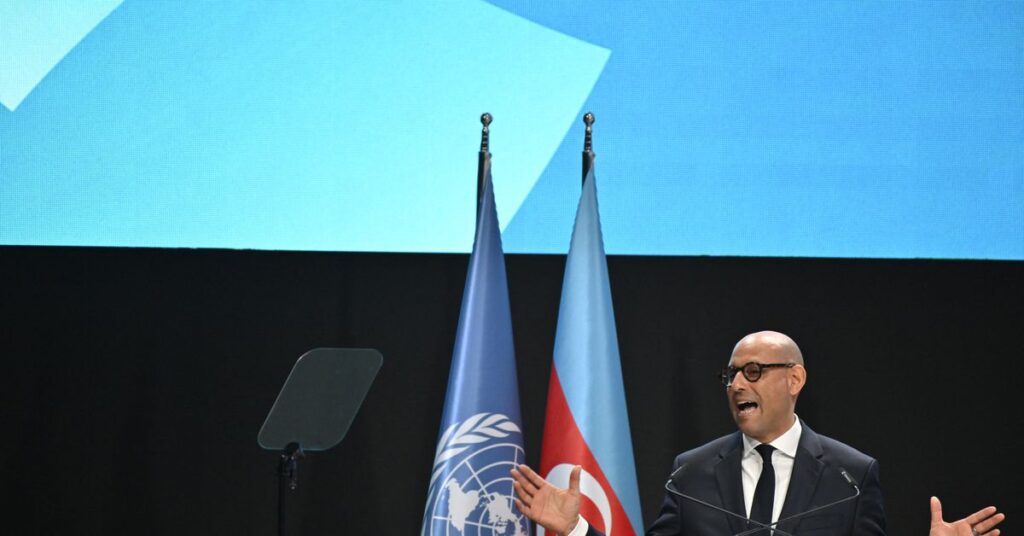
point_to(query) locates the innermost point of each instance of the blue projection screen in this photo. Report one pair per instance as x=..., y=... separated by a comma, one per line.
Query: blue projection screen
x=819, y=129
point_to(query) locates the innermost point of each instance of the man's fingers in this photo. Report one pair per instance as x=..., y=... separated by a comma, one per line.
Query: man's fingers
x=528, y=486
x=520, y=492
x=936, y=511
x=533, y=477
x=524, y=484
x=574, y=479
x=523, y=508
x=980, y=515
x=989, y=524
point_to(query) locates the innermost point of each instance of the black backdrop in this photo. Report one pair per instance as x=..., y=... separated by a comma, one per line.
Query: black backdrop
x=136, y=380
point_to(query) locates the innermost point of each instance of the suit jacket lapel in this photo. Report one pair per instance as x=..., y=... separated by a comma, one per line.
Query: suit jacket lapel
x=807, y=468
x=730, y=485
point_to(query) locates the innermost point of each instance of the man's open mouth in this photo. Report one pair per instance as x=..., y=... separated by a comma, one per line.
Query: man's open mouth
x=746, y=407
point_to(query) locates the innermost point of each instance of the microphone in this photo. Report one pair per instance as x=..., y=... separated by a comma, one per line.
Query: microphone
x=849, y=480
x=761, y=526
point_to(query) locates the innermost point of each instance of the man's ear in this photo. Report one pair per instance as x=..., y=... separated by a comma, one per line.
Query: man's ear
x=797, y=379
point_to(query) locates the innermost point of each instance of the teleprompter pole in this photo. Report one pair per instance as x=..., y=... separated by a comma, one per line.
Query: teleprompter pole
x=287, y=480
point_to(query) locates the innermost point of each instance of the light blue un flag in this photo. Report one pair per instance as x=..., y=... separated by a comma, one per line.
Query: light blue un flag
x=481, y=436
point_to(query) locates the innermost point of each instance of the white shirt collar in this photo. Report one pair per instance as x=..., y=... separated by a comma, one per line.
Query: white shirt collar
x=785, y=443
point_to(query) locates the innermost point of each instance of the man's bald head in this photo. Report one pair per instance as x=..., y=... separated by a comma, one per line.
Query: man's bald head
x=764, y=404
x=780, y=345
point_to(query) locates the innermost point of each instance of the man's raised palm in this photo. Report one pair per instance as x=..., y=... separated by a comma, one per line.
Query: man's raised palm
x=556, y=509
x=983, y=521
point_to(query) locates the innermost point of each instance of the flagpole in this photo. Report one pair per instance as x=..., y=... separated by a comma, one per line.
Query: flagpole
x=588, y=150
x=484, y=160
x=481, y=436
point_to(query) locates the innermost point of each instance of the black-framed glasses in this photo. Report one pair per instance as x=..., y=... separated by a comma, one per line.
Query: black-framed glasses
x=751, y=371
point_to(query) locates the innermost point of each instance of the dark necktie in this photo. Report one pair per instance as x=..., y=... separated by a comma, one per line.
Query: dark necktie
x=764, y=493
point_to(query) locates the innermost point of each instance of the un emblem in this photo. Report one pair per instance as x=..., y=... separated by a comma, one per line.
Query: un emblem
x=471, y=490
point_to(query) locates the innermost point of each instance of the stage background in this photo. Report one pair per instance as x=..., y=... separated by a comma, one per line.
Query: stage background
x=771, y=165
x=779, y=129
x=136, y=380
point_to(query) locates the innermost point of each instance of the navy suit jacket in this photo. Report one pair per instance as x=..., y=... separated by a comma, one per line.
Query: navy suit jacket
x=712, y=474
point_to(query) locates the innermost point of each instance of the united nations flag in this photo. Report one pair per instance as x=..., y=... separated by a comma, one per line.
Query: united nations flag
x=481, y=438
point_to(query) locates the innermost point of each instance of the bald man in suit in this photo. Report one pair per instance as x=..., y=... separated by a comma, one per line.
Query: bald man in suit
x=773, y=467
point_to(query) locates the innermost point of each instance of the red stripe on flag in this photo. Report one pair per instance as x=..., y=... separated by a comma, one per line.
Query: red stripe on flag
x=563, y=443
x=589, y=511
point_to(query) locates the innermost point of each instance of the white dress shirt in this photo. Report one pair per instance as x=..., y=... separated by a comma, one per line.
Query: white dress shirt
x=782, y=460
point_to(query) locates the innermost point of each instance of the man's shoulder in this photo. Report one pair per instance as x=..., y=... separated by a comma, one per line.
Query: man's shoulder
x=840, y=453
x=710, y=451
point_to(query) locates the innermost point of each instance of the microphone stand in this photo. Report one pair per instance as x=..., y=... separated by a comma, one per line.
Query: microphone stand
x=761, y=526
x=849, y=480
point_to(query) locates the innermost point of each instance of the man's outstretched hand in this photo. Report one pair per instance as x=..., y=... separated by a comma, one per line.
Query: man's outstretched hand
x=556, y=509
x=980, y=523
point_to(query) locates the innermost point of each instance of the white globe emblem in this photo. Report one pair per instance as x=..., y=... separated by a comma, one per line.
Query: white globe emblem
x=475, y=497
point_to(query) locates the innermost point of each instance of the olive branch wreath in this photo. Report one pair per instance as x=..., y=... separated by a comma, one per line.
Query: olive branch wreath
x=476, y=429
